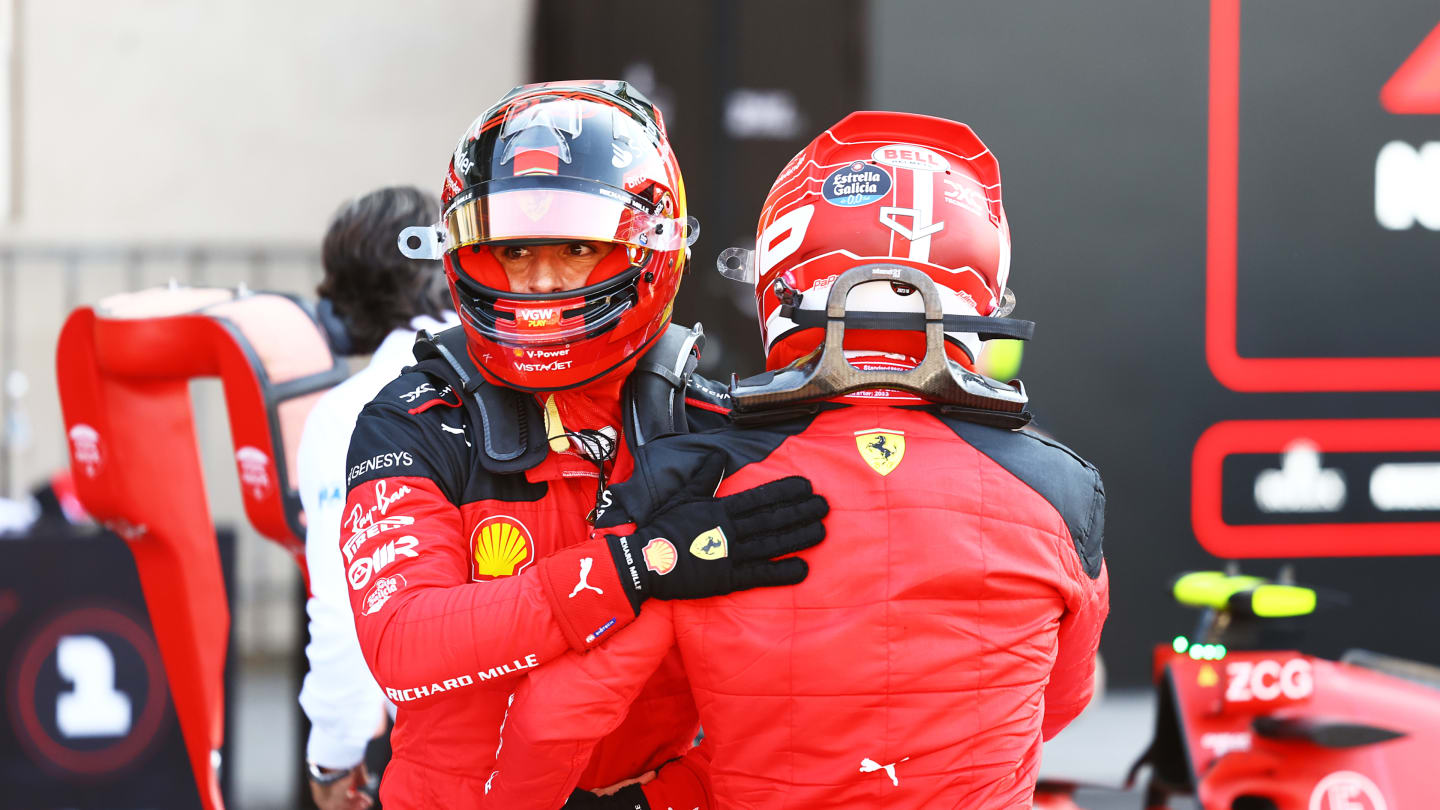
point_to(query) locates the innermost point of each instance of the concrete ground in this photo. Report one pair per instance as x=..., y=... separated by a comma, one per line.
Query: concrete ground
x=264, y=748
x=1097, y=749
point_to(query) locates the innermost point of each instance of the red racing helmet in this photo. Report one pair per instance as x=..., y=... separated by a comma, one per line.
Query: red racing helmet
x=903, y=189
x=555, y=163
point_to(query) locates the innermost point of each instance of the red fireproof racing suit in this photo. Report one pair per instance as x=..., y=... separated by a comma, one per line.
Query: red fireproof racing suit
x=948, y=624
x=462, y=580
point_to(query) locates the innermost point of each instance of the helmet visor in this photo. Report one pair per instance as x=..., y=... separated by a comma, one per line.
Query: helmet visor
x=560, y=213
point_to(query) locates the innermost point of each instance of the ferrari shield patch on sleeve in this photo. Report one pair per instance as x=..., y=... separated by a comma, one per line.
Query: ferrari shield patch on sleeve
x=881, y=449
x=711, y=545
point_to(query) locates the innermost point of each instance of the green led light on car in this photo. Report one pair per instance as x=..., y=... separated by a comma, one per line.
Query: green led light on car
x=1198, y=652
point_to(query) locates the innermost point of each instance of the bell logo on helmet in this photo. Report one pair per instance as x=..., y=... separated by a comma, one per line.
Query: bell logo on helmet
x=500, y=547
x=907, y=156
x=709, y=546
x=882, y=449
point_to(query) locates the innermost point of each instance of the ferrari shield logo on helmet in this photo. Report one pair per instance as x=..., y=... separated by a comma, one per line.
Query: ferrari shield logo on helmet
x=881, y=449
x=535, y=203
x=711, y=545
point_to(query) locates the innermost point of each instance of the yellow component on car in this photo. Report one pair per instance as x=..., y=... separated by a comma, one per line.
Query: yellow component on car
x=1276, y=601
x=1212, y=589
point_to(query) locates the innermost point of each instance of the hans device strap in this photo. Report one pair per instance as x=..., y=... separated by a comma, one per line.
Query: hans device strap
x=510, y=423
x=984, y=328
x=511, y=426
x=654, y=402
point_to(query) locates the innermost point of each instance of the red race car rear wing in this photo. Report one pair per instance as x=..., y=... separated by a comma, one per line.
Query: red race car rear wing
x=124, y=367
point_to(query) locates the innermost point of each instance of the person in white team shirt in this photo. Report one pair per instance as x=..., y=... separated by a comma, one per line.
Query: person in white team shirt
x=372, y=301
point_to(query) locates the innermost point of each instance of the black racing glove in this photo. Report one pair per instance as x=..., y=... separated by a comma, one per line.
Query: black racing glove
x=630, y=797
x=699, y=545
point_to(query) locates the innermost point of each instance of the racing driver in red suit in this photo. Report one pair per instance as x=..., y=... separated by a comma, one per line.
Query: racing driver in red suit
x=475, y=477
x=950, y=621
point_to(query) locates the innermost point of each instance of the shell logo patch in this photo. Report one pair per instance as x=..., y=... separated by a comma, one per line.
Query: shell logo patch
x=711, y=545
x=500, y=546
x=1208, y=676
x=881, y=449
x=660, y=556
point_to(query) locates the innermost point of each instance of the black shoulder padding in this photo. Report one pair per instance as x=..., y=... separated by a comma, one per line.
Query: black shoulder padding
x=509, y=422
x=654, y=403
x=1070, y=483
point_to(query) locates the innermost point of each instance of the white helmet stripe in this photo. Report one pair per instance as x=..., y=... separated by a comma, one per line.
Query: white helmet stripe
x=922, y=201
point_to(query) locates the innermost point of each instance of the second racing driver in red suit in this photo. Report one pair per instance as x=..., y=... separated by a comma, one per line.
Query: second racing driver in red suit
x=475, y=478
x=950, y=620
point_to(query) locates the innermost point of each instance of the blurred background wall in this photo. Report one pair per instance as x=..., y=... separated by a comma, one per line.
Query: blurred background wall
x=210, y=143
x=1099, y=115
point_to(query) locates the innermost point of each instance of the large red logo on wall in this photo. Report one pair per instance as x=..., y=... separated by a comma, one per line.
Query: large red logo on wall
x=1415, y=87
